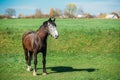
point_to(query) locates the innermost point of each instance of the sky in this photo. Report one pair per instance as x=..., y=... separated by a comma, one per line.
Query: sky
x=28, y=7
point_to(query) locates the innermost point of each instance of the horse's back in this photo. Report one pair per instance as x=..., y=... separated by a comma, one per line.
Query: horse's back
x=27, y=33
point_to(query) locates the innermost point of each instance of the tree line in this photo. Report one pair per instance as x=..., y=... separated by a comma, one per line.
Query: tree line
x=69, y=12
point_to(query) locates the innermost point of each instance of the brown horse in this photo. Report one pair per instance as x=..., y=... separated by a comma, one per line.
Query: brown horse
x=36, y=41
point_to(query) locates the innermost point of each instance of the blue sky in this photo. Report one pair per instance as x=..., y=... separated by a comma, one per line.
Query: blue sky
x=28, y=7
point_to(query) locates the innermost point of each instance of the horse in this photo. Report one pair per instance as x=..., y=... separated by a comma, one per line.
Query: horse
x=36, y=41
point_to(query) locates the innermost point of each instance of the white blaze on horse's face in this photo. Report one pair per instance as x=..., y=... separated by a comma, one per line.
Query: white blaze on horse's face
x=52, y=30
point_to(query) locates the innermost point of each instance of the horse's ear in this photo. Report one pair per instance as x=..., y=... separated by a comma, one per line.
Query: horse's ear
x=54, y=19
x=49, y=19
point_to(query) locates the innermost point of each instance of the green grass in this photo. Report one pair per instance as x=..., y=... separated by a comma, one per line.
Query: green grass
x=87, y=49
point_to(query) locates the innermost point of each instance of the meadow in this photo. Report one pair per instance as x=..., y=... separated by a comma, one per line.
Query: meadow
x=87, y=49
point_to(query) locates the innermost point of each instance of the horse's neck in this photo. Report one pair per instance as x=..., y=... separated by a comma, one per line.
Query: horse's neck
x=42, y=34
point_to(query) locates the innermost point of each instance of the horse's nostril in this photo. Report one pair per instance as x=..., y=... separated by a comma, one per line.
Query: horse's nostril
x=56, y=36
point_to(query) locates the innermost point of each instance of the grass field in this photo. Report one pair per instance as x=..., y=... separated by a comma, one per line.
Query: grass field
x=87, y=49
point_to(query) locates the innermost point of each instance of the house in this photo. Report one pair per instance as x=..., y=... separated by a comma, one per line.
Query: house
x=111, y=16
x=80, y=16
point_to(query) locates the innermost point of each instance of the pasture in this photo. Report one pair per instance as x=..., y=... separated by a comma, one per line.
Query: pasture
x=87, y=49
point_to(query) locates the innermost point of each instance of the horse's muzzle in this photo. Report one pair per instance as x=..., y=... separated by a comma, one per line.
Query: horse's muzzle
x=56, y=36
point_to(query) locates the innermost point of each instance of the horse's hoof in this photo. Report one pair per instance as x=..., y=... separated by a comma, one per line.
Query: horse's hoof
x=34, y=73
x=44, y=74
x=29, y=69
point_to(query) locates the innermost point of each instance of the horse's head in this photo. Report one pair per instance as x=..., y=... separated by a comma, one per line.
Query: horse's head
x=52, y=28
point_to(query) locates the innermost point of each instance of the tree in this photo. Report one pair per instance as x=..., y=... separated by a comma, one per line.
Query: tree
x=70, y=9
x=66, y=13
x=116, y=14
x=21, y=16
x=58, y=12
x=101, y=15
x=88, y=15
x=80, y=11
x=52, y=12
x=38, y=13
x=10, y=12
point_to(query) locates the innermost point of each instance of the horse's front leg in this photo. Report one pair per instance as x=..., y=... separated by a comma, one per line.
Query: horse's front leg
x=35, y=64
x=44, y=63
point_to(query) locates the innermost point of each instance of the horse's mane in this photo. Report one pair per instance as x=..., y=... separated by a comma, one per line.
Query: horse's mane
x=43, y=25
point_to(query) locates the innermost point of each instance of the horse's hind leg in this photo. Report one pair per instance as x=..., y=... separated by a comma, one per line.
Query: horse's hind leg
x=29, y=61
x=26, y=55
x=35, y=64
